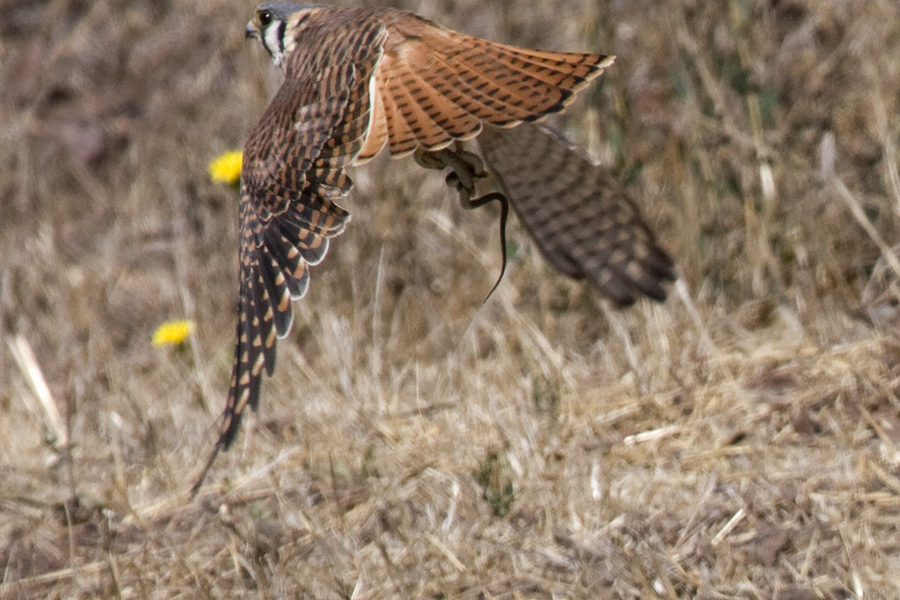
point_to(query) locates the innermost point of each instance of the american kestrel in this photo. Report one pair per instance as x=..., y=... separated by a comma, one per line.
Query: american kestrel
x=360, y=79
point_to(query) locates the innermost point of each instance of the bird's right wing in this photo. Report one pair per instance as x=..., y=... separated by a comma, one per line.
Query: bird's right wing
x=581, y=219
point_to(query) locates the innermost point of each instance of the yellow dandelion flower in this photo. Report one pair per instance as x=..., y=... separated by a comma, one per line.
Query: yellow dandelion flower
x=172, y=333
x=226, y=168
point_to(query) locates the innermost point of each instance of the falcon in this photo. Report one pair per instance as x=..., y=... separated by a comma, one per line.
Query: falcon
x=362, y=80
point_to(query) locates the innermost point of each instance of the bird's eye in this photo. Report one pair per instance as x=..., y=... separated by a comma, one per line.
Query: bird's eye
x=264, y=17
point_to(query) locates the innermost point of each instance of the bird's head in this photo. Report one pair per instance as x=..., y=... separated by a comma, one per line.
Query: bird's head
x=274, y=25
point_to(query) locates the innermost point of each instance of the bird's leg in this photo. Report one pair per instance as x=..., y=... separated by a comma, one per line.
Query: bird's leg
x=466, y=168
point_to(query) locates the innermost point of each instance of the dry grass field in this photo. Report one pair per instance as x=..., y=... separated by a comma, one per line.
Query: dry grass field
x=740, y=440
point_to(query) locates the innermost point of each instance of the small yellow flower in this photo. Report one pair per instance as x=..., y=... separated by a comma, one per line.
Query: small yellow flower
x=226, y=168
x=172, y=332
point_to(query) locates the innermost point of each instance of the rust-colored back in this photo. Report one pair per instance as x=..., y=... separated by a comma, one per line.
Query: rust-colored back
x=436, y=85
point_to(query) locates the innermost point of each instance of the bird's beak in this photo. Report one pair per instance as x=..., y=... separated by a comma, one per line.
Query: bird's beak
x=251, y=31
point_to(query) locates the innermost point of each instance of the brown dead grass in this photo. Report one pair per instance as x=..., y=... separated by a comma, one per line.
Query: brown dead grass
x=740, y=440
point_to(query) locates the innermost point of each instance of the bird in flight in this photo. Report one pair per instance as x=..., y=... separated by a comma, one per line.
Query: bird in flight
x=359, y=80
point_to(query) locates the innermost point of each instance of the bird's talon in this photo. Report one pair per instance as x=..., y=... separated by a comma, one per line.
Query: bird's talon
x=474, y=162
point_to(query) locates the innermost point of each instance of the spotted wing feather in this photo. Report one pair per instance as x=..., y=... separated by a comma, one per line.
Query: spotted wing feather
x=293, y=172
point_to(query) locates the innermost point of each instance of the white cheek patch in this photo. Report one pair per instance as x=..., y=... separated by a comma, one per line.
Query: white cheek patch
x=272, y=42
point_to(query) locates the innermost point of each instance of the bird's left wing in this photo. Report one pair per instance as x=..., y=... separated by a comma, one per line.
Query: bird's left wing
x=293, y=173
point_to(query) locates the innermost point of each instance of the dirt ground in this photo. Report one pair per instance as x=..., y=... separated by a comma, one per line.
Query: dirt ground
x=739, y=440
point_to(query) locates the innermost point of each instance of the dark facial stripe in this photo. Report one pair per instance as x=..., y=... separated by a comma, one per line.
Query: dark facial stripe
x=281, y=27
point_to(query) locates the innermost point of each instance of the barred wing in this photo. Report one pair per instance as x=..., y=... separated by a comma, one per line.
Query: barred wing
x=581, y=219
x=435, y=85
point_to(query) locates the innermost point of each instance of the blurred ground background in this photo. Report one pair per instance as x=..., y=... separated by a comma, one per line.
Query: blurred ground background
x=739, y=440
